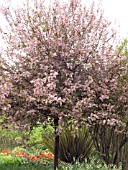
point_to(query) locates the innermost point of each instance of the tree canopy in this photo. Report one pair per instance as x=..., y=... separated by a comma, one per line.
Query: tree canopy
x=63, y=64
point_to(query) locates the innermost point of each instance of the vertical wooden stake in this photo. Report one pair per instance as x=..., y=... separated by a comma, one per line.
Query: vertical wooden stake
x=56, y=145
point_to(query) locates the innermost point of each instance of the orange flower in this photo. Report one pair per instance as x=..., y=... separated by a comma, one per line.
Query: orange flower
x=49, y=155
x=36, y=158
x=5, y=152
x=23, y=154
x=42, y=155
x=20, y=154
x=33, y=158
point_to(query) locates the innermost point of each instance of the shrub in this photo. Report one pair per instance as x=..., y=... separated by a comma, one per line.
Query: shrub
x=10, y=138
x=73, y=146
x=35, y=139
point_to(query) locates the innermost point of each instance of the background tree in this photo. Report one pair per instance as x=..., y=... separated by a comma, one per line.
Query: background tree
x=123, y=50
x=63, y=68
x=110, y=119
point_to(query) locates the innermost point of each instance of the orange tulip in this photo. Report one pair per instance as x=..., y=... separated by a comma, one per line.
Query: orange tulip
x=5, y=151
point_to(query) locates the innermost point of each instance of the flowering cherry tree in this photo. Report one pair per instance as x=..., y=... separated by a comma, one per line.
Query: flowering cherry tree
x=63, y=67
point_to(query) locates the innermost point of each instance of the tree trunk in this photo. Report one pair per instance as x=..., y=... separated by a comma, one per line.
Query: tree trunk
x=56, y=145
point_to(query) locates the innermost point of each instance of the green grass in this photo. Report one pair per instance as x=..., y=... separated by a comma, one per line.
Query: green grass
x=25, y=167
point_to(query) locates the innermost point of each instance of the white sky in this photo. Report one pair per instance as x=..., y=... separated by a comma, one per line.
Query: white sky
x=115, y=10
